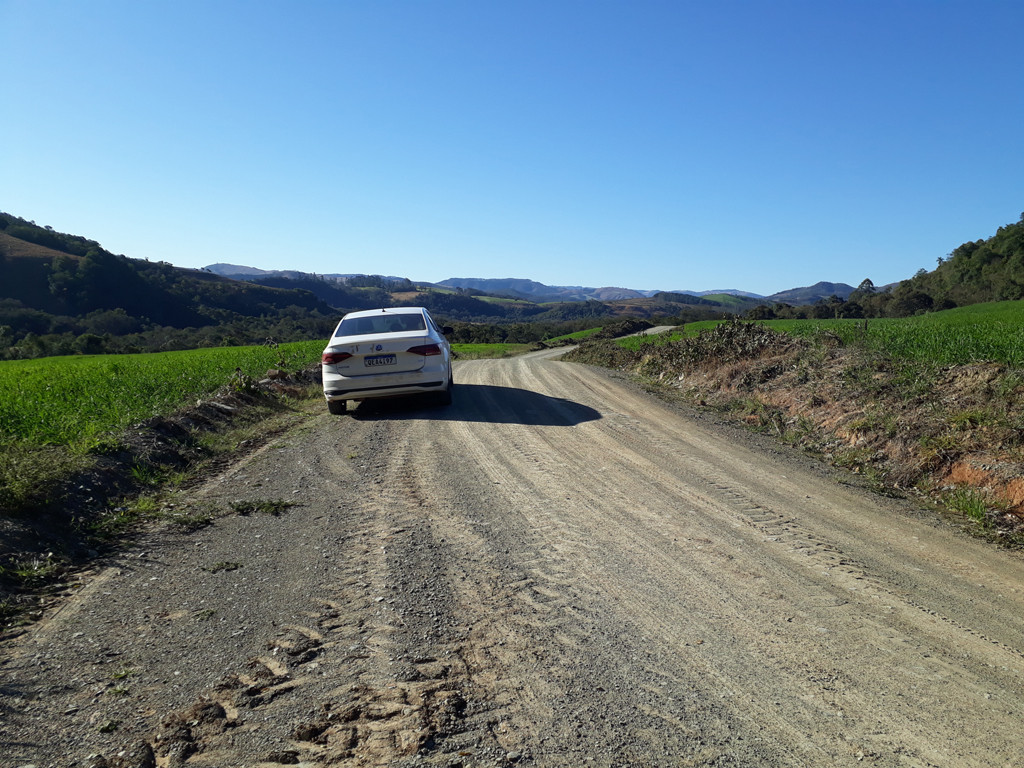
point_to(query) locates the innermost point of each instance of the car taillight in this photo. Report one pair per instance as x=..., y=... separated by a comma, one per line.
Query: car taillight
x=425, y=349
x=330, y=358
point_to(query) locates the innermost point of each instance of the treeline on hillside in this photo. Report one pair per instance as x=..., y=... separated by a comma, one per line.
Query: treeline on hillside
x=47, y=237
x=114, y=331
x=64, y=294
x=976, y=272
x=356, y=292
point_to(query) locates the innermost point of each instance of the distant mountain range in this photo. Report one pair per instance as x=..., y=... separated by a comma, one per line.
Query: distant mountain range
x=237, y=271
x=63, y=294
x=531, y=290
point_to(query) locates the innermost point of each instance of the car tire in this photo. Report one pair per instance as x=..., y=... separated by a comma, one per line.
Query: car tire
x=445, y=398
x=337, y=407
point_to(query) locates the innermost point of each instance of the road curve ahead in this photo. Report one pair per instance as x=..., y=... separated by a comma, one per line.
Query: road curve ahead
x=560, y=569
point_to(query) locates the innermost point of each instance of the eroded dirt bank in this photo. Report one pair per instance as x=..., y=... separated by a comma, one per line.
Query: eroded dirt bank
x=557, y=570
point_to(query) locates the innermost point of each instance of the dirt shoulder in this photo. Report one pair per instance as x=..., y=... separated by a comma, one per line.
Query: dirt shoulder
x=559, y=569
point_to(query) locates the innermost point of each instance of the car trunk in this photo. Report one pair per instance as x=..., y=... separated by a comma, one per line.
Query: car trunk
x=380, y=353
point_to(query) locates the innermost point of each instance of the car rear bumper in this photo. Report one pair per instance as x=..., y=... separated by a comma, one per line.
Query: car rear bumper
x=388, y=385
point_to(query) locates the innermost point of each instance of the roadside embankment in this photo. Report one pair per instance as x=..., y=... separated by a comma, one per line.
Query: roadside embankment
x=60, y=509
x=954, y=434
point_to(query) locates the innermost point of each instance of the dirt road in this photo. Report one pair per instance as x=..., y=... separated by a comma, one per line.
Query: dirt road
x=557, y=570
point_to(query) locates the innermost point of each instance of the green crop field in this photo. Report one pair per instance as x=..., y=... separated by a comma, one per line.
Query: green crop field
x=981, y=332
x=75, y=400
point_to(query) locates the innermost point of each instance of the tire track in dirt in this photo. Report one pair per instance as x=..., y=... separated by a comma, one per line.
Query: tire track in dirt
x=557, y=551
x=414, y=691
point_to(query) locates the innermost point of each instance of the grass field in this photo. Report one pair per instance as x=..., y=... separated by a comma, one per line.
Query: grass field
x=981, y=332
x=74, y=401
x=687, y=331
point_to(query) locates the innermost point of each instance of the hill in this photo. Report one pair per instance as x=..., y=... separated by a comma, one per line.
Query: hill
x=65, y=294
x=243, y=272
x=530, y=289
x=812, y=294
x=539, y=292
x=509, y=300
x=975, y=272
x=62, y=294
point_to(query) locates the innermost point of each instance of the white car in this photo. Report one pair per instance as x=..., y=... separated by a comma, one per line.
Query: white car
x=390, y=352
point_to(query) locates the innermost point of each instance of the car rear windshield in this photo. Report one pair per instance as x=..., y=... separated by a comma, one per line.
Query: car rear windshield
x=360, y=326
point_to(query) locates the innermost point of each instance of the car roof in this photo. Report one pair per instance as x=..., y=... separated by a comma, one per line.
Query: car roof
x=387, y=311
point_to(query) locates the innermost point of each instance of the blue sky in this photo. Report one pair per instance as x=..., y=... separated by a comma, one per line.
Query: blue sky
x=643, y=144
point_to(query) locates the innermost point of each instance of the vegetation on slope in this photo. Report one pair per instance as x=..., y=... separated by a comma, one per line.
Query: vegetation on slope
x=82, y=299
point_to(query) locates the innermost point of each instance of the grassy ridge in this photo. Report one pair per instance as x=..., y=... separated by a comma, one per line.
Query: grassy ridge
x=981, y=332
x=75, y=401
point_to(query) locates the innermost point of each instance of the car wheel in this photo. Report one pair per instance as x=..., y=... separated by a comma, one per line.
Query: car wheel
x=337, y=407
x=445, y=398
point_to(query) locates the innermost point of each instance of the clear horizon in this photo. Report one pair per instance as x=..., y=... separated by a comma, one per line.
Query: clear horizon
x=644, y=145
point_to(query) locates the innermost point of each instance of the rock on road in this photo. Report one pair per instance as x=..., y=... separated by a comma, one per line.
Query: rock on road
x=559, y=569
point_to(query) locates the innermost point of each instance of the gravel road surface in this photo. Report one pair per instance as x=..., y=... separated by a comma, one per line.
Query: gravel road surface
x=557, y=570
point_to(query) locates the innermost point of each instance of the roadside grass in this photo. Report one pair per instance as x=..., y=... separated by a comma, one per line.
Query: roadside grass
x=80, y=401
x=971, y=503
x=33, y=570
x=688, y=331
x=62, y=415
x=989, y=332
x=981, y=332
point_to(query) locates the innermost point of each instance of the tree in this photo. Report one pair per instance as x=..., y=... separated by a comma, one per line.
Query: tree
x=90, y=344
x=761, y=312
x=851, y=309
x=914, y=302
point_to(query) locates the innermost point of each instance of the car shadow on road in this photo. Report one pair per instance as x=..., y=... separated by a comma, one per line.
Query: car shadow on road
x=482, y=403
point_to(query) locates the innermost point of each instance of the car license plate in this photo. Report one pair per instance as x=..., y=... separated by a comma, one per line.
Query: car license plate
x=380, y=360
